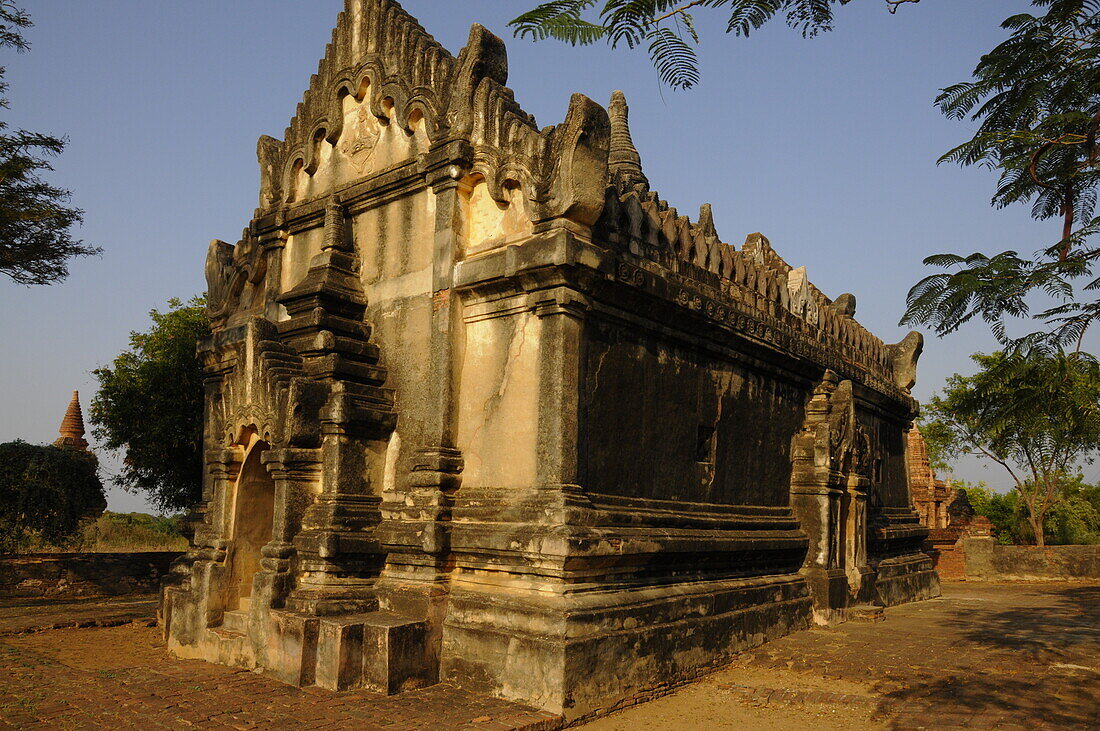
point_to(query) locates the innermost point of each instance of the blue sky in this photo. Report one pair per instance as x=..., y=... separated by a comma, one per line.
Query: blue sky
x=827, y=146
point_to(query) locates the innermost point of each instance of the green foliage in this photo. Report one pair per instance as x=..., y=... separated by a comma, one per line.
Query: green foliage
x=1037, y=417
x=35, y=219
x=45, y=492
x=1074, y=518
x=127, y=532
x=1005, y=511
x=938, y=439
x=1037, y=98
x=111, y=533
x=666, y=27
x=149, y=404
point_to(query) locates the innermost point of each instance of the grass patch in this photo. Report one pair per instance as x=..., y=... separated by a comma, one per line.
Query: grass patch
x=115, y=533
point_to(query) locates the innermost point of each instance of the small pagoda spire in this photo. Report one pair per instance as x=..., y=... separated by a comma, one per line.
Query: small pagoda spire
x=334, y=226
x=72, y=427
x=624, y=162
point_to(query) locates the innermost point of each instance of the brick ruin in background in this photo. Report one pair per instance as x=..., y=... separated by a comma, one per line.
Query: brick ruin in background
x=945, y=510
x=482, y=408
x=71, y=431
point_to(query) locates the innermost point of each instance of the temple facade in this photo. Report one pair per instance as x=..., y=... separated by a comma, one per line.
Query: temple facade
x=482, y=408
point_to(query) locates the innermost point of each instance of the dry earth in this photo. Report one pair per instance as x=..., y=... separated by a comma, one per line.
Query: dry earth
x=1008, y=656
x=1019, y=656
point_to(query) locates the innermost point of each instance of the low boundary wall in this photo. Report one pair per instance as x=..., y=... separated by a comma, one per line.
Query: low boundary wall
x=80, y=575
x=986, y=560
x=983, y=559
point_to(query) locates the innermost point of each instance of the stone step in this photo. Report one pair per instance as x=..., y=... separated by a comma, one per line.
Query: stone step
x=867, y=613
x=227, y=635
x=235, y=621
x=384, y=652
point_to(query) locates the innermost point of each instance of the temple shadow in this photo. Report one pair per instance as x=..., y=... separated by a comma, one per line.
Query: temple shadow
x=1064, y=700
x=1054, y=621
x=1050, y=675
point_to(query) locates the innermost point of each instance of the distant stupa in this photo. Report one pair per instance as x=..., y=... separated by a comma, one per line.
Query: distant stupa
x=72, y=427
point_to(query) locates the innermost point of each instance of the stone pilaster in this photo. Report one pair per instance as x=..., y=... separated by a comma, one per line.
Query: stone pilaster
x=416, y=527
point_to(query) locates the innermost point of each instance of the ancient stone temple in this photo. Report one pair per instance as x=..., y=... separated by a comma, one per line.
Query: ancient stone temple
x=944, y=509
x=71, y=432
x=482, y=408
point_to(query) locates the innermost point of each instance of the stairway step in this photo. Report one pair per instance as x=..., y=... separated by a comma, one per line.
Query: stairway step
x=235, y=621
x=226, y=634
x=382, y=651
x=867, y=613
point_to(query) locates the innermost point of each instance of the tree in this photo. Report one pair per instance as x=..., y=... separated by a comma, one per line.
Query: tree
x=1037, y=97
x=150, y=405
x=1073, y=519
x=45, y=492
x=667, y=27
x=938, y=439
x=36, y=221
x=1036, y=416
x=1005, y=511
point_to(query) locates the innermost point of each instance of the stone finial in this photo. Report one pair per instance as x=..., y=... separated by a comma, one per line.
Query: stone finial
x=706, y=220
x=624, y=162
x=845, y=304
x=334, y=226
x=72, y=427
x=904, y=356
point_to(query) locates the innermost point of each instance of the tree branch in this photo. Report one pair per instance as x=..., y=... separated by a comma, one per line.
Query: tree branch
x=894, y=4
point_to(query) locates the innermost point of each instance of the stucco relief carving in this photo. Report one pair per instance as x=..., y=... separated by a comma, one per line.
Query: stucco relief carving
x=360, y=138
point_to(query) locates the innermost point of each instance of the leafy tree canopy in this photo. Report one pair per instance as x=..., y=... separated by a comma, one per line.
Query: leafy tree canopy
x=36, y=240
x=938, y=441
x=45, y=492
x=1036, y=97
x=149, y=405
x=1037, y=417
x=666, y=28
x=1074, y=518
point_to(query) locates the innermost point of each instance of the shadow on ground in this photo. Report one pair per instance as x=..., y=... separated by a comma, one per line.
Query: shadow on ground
x=1036, y=662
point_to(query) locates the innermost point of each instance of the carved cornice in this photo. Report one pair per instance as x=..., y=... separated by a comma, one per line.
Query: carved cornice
x=492, y=282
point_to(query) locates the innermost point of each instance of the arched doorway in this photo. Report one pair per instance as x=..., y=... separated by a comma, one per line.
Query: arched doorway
x=253, y=515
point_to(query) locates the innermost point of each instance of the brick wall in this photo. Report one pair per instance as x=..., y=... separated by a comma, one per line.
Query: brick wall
x=78, y=575
x=948, y=561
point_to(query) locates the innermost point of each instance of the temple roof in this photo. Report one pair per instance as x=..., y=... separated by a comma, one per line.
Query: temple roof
x=585, y=169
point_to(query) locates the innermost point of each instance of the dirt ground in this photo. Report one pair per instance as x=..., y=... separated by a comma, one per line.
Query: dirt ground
x=734, y=699
x=35, y=615
x=1009, y=656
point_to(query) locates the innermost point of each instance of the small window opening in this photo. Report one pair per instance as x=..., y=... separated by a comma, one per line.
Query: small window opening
x=704, y=444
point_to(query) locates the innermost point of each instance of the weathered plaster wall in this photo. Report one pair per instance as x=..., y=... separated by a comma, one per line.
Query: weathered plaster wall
x=300, y=249
x=487, y=223
x=498, y=412
x=890, y=475
x=986, y=560
x=669, y=422
x=368, y=142
x=79, y=575
x=395, y=245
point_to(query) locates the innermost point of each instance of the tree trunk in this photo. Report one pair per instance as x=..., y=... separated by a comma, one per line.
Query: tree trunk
x=1037, y=529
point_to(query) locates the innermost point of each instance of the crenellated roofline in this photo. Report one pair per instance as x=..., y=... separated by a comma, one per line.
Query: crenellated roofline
x=585, y=172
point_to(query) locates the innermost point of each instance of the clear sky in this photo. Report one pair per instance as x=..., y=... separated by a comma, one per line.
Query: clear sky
x=827, y=146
